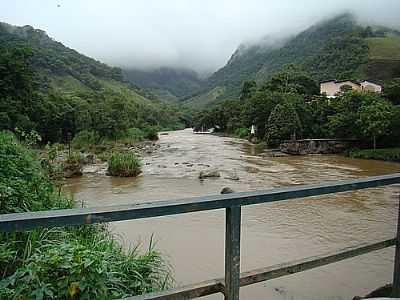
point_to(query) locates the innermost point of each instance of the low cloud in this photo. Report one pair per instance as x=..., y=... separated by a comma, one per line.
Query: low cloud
x=199, y=35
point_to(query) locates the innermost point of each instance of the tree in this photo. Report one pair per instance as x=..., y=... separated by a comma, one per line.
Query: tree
x=292, y=80
x=375, y=119
x=17, y=86
x=283, y=123
x=248, y=89
x=392, y=91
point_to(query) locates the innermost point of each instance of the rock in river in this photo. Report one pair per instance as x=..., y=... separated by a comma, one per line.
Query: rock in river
x=227, y=190
x=72, y=170
x=210, y=173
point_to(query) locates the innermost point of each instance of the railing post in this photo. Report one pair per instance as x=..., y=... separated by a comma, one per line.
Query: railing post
x=396, y=272
x=232, y=252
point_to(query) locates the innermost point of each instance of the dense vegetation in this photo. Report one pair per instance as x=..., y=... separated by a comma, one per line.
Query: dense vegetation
x=335, y=49
x=390, y=154
x=83, y=262
x=58, y=92
x=286, y=106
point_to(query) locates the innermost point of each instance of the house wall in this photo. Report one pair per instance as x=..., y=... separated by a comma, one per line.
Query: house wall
x=331, y=88
x=370, y=86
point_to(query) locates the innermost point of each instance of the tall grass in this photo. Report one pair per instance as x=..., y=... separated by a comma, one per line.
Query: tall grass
x=81, y=262
x=124, y=164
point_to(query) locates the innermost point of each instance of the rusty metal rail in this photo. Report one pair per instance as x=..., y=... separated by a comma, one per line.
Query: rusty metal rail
x=230, y=284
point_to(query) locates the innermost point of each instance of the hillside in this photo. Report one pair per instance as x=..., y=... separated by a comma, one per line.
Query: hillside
x=167, y=83
x=71, y=86
x=336, y=48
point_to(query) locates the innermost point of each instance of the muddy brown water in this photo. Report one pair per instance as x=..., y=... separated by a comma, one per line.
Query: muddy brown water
x=271, y=233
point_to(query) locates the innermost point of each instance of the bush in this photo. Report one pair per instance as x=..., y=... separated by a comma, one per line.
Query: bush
x=124, y=164
x=80, y=262
x=151, y=133
x=76, y=158
x=132, y=136
x=85, y=139
x=84, y=263
x=24, y=186
x=242, y=133
x=389, y=154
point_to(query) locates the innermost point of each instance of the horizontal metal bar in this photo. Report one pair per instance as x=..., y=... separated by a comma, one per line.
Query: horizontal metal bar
x=201, y=289
x=77, y=216
x=251, y=277
x=312, y=262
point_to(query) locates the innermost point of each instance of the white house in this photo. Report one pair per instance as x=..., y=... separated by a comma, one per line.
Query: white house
x=333, y=87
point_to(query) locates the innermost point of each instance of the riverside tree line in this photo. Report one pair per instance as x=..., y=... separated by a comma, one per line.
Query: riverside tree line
x=289, y=105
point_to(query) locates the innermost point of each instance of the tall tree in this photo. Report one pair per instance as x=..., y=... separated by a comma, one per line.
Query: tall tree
x=283, y=123
x=375, y=119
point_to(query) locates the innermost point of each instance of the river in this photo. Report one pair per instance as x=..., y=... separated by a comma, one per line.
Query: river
x=271, y=233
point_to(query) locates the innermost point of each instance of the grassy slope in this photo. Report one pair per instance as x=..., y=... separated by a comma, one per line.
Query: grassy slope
x=384, y=57
x=386, y=48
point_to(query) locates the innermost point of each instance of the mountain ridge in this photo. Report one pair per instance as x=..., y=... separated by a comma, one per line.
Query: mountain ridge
x=335, y=48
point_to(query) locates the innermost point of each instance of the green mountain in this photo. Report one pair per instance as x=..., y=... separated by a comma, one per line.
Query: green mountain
x=168, y=84
x=68, y=91
x=337, y=48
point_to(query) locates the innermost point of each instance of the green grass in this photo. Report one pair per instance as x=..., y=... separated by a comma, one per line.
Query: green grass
x=80, y=262
x=124, y=164
x=389, y=154
x=385, y=48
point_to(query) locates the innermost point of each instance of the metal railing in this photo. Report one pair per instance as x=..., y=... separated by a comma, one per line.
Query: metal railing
x=232, y=203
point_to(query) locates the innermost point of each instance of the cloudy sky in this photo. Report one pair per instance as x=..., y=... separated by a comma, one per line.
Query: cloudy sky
x=198, y=34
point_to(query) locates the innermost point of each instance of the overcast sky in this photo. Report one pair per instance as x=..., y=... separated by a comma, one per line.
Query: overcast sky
x=198, y=34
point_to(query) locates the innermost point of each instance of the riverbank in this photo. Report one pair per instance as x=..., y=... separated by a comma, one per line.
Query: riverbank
x=386, y=154
x=94, y=159
x=85, y=262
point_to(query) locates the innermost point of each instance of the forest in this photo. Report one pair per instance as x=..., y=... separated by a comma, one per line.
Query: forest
x=58, y=92
x=289, y=106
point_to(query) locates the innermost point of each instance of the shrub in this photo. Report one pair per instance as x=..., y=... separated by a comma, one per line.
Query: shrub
x=124, y=164
x=151, y=133
x=242, y=133
x=132, y=136
x=84, y=263
x=136, y=134
x=75, y=158
x=85, y=139
x=389, y=154
x=80, y=262
x=24, y=186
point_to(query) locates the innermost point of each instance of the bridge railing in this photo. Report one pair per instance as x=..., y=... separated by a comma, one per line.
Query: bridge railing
x=232, y=203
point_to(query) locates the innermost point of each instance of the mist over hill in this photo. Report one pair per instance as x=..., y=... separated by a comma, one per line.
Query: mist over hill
x=338, y=48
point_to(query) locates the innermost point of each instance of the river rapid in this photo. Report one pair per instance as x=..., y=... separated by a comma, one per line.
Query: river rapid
x=271, y=233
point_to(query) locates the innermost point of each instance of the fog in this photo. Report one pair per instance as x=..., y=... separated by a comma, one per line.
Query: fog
x=199, y=35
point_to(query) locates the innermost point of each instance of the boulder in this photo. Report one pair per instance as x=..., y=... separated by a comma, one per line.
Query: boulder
x=72, y=170
x=89, y=159
x=227, y=190
x=315, y=146
x=208, y=174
